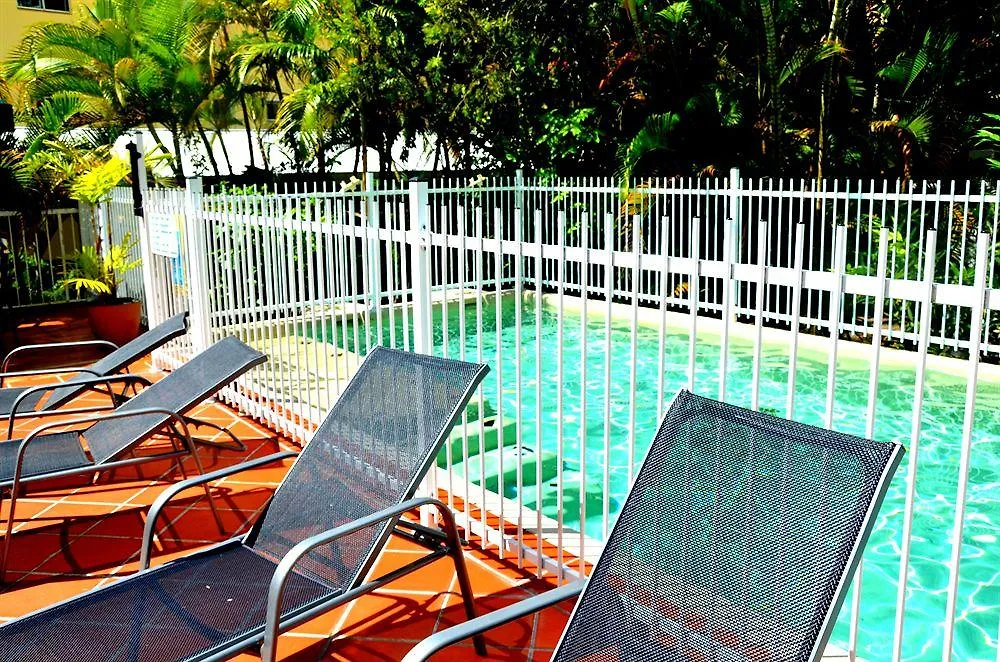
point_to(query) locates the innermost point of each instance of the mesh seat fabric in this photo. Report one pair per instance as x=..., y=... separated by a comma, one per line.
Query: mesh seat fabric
x=378, y=440
x=10, y=394
x=192, y=606
x=179, y=392
x=46, y=454
x=732, y=542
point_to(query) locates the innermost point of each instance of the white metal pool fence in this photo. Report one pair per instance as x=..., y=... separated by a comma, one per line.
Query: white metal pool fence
x=913, y=264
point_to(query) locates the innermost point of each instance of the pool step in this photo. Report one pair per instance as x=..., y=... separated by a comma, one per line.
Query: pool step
x=466, y=438
x=485, y=469
x=570, y=502
x=500, y=448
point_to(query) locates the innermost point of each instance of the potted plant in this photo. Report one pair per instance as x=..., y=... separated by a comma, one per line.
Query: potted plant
x=111, y=317
x=98, y=270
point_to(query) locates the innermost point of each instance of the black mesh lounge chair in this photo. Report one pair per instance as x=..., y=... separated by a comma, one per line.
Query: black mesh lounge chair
x=30, y=401
x=736, y=544
x=310, y=552
x=46, y=454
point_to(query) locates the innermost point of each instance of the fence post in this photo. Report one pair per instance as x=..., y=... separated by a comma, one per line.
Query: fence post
x=735, y=238
x=420, y=272
x=372, y=224
x=153, y=316
x=195, y=247
x=519, y=189
x=519, y=212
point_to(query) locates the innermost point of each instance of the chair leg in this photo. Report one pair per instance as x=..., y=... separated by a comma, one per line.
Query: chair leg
x=179, y=461
x=236, y=445
x=462, y=573
x=8, y=536
x=208, y=490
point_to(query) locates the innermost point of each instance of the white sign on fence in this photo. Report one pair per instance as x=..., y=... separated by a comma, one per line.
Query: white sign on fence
x=163, y=234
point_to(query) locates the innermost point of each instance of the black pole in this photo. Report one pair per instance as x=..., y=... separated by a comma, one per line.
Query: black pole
x=133, y=157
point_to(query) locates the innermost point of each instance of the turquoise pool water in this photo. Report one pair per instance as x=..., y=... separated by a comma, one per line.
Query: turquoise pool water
x=979, y=598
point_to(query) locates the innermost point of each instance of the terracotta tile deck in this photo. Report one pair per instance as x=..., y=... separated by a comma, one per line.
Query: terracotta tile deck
x=73, y=535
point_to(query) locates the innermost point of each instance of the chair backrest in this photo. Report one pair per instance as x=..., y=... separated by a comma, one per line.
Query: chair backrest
x=376, y=444
x=122, y=357
x=737, y=541
x=179, y=392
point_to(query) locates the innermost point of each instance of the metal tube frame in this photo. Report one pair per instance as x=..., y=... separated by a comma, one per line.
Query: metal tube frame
x=45, y=371
x=175, y=489
x=447, y=543
x=475, y=627
x=453, y=548
x=14, y=486
x=78, y=343
x=840, y=593
x=106, y=380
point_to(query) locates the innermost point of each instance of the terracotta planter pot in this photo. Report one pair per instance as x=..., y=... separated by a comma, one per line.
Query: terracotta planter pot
x=116, y=322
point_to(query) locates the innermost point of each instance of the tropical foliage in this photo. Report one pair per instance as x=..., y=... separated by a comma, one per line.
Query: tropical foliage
x=100, y=272
x=839, y=88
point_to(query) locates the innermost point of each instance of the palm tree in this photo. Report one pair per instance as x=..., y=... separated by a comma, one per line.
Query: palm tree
x=131, y=63
x=353, y=66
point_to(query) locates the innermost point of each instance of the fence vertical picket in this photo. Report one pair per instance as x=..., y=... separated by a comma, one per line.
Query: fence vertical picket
x=836, y=312
x=965, y=455
x=930, y=249
x=693, y=285
x=876, y=347
x=796, y=304
x=758, y=336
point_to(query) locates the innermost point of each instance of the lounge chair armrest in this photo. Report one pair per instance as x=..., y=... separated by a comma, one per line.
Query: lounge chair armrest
x=280, y=577
x=96, y=381
x=37, y=433
x=453, y=635
x=53, y=345
x=177, y=488
x=46, y=371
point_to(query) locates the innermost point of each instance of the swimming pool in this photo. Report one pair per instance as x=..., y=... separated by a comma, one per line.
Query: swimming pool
x=979, y=597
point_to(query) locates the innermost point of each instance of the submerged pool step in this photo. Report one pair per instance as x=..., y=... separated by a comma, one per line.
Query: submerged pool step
x=569, y=505
x=498, y=439
x=466, y=438
x=485, y=469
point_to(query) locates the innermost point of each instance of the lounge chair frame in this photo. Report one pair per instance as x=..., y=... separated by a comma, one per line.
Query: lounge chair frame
x=429, y=538
x=181, y=444
x=477, y=626
x=35, y=347
x=168, y=330
x=115, y=399
x=439, y=543
x=174, y=425
x=127, y=379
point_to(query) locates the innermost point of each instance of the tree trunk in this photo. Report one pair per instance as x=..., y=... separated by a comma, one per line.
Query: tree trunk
x=179, y=154
x=246, y=126
x=364, y=147
x=771, y=67
x=156, y=139
x=840, y=9
x=225, y=151
x=263, y=151
x=208, y=148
